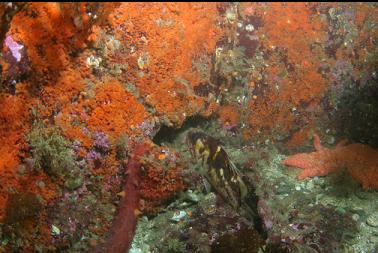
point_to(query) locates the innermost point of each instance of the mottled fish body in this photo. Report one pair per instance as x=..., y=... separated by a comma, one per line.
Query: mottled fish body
x=217, y=168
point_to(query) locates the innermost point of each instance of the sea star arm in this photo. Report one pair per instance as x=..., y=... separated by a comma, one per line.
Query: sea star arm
x=342, y=143
x=359, y=160
x=313, y=164
x=318, y=163
x=318, y=146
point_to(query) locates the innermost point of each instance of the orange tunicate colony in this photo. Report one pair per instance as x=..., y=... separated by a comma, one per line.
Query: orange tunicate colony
x=294, y=38
x=110, y=98
x=292, y=28
x=227, y=116
x=161, y=178
x=162, y=40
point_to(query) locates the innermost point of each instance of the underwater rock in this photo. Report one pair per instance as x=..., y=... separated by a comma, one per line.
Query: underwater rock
x=372, y=220
x=254, y=75
x=243, y=241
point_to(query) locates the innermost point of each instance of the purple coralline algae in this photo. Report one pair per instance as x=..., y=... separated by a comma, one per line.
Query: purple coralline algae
x=101, y=142
x=94, y=157
x=149, y=128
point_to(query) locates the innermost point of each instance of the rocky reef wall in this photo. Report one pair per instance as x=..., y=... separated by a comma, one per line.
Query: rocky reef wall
x=83, y=83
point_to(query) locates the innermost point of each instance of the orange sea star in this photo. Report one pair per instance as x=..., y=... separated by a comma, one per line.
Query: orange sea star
x=361, y=162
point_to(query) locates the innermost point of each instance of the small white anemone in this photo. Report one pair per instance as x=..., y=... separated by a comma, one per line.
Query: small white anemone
x=93, y=61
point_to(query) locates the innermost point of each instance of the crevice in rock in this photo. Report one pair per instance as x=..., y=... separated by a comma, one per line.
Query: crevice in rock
x=169, y=134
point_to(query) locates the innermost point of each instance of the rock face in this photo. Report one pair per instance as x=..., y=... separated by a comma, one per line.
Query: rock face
x=252, y=74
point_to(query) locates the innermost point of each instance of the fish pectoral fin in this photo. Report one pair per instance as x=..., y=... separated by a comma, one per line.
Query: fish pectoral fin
x=207, y=185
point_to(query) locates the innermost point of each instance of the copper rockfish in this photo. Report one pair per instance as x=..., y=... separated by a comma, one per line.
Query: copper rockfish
x=217, y=168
